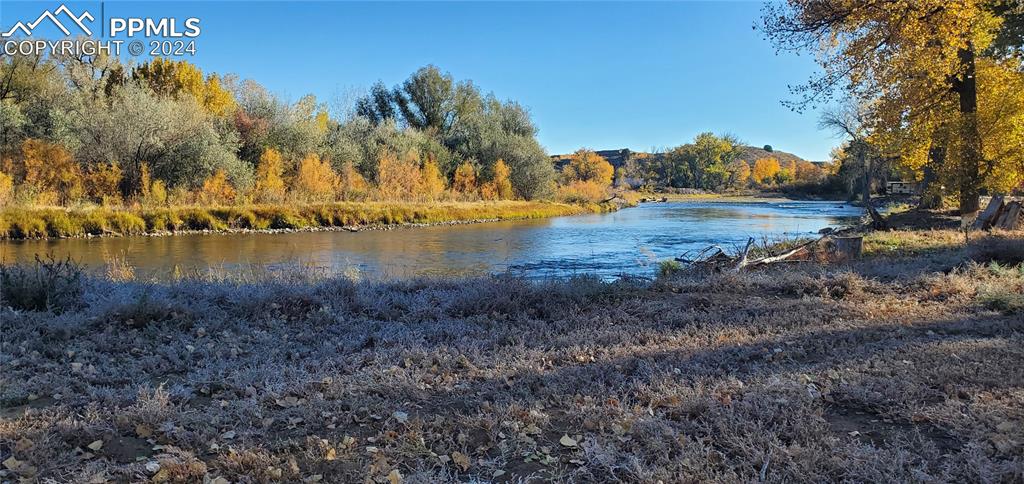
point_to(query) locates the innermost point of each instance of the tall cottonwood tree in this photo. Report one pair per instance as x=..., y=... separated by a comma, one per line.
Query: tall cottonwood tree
x=913, y=54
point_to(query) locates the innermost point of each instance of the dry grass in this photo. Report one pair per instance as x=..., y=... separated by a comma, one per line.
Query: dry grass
x=900, y=369
x=30, y=223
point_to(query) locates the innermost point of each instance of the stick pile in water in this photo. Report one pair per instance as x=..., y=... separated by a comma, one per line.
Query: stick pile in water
x=829, y=247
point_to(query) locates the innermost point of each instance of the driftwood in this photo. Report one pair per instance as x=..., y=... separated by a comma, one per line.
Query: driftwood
x=830, y=246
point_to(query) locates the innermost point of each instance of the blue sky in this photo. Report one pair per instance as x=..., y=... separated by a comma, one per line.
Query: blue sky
x=600, y=75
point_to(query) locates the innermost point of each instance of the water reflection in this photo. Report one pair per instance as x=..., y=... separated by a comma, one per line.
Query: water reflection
x=629, y=241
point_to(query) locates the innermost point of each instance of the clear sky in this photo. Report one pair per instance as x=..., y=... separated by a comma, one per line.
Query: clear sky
x=600, y=75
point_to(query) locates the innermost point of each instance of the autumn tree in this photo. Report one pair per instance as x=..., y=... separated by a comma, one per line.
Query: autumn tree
x=432, y=180
x=739, y=173
x=172, y=78
x=315, y=180
x=915, y=58
x=587, y=166
x=6, y=189
x=464, y=180
x=50, y=168
x=217, y=190
x=270, y=186
x=353, y=184
x=103, y=182
x=764, y=170
x=501, y=180
x=398, y=179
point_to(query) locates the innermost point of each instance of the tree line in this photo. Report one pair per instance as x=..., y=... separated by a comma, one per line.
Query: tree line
x=716, y=163
x=89, y=129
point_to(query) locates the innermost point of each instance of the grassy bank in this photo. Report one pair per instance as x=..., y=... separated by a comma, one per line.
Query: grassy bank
x=895, y=368
x=22, y=223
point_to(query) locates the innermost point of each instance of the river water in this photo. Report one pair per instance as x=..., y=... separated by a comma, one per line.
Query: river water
x=629, y=241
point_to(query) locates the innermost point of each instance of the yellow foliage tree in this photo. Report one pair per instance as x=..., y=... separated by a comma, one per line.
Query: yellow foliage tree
x=807, y=171
x=500, y=186
x=216, y=99
x=433, y=181
x=6, y=189
x=49, y=168
x=739, y=174
x=270, y=186
x=765, y=170
x=157, y=193
x=217, y=190
x=464, y=181
x=103, y=181
x=315, y=180
x=398, y=179
x=920, y=64
x=174, y=78
x=353, y=185
x=586, y=165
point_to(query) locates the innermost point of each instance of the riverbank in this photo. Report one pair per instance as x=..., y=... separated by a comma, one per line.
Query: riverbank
x=731, y=197
x=39, y=223
x=902, y=366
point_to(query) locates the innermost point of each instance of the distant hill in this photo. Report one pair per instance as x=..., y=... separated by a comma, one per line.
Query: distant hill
x=753, y=153
x=750, y=154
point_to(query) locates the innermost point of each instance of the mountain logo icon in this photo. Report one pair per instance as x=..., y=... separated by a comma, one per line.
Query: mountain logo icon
x=78, y=20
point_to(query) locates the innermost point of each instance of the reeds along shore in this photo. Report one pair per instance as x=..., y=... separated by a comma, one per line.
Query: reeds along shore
x=18, y=223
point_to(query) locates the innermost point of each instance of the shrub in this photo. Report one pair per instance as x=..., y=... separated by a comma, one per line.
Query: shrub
x=282, y=218
x=198, y=219
x=45, y=285
x=26, y=225
x=237, y=218
x=162, y=220
x=669, y=267
x=61, y=224
x=217, y=190
x=126, y=223
x=582, y=192
x=95, y=223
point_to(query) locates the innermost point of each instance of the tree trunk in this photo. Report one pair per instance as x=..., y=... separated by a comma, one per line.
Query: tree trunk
x=865, y=191
x=931, y=190
x=970, y=137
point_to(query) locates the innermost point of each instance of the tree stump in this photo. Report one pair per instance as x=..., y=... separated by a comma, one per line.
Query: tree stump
x=848, y=247
x=991, y=214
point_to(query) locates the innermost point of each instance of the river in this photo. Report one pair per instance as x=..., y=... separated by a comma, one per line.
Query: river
x=629, y=241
